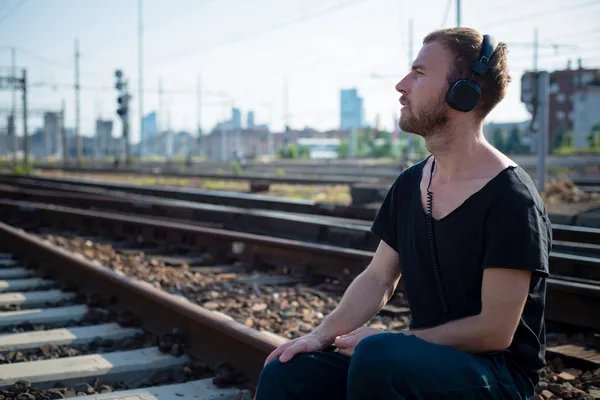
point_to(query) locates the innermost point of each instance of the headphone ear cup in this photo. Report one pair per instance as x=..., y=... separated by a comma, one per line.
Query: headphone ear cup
x=463, y=95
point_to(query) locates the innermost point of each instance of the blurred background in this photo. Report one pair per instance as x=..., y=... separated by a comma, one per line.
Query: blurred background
x=228, y=80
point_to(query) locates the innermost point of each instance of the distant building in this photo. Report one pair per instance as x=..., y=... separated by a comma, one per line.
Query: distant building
x=183, y=144
x=236, y=118
x=563, y=88
x=103, y=146
x=52, y=125
x=149, y=132
x=250, y=121
x=586, y=112
x=351, y=109
x=321, y=148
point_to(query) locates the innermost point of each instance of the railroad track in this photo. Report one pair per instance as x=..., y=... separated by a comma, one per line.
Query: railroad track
x=223, y=347
x=576, y=249
x=217, y=197
x=252, y=177
x=70, y=327
x=571, y=300
x=234, y=199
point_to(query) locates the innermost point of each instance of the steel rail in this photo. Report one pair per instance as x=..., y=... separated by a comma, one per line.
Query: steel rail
x=569, y=302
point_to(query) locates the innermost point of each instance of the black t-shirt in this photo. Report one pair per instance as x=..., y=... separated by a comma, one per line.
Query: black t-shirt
x=505, y=224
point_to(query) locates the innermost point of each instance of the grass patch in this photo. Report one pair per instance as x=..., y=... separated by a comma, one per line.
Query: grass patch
x=152, y=180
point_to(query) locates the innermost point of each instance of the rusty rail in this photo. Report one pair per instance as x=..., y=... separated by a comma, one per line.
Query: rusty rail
x=212, y=337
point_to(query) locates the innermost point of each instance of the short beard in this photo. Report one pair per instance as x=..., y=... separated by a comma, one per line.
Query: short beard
x=430, y=121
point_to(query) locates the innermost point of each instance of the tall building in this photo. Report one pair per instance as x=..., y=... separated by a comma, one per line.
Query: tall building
x=250, y=122
x=51, y=133
x=236, y=118
x=351, y=109
x=149, y=133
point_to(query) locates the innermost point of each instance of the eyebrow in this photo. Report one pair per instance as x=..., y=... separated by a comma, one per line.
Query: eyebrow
x=418, y=66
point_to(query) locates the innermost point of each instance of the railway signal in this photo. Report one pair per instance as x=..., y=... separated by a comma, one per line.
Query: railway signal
x=123, y=100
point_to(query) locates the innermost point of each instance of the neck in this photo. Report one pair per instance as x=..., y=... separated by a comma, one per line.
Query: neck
x=456, y=150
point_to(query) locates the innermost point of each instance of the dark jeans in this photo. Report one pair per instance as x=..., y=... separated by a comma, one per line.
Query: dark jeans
x=392, y=366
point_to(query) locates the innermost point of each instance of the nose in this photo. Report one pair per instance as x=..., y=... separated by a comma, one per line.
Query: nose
x=402, y=86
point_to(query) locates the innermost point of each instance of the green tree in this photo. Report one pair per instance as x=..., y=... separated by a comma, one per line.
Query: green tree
x=498, y=139
x=344, y=149
x=384, y=149
x=303, y=152
x=514, y=144
x=594, y=137
x=568, y=140
x=591, y=140
x=288, y=151
x=558, y=139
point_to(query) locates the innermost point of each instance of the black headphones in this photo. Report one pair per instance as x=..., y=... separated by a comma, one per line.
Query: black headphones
x=464, y=94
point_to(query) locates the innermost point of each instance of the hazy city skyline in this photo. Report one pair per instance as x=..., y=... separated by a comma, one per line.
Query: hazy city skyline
x=247, y=51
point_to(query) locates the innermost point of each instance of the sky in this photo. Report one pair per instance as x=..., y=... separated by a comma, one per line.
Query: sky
x=268, y=56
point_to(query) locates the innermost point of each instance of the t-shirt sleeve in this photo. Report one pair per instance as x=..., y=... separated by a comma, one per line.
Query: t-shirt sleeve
x=385, y=224
x=517, y=235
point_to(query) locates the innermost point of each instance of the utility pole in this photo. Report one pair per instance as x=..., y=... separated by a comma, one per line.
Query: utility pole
x=25, y=135
x=457, y=12
x=285, y=110
x=12, y=134
x=161, y=114
x=169, y=136
x=63, y=134
x=198, y=105
x=535, y=93
x=77, y=102
x=161, y=124
x=141, y=77
x=11, y=137
x=543, y=115
x=536, y=46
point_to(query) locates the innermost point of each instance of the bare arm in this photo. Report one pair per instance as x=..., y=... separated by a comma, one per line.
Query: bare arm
x=504, y=292
x=365, y=296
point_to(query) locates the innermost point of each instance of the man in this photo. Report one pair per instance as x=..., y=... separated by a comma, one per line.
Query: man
x=469, y=235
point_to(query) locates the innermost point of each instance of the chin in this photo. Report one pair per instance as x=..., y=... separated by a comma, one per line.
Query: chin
x=407, y=127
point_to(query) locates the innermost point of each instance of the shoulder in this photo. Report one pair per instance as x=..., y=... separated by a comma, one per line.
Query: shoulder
x=409, y=177
x=517, y=204
x=514, y=186
x=517, y=189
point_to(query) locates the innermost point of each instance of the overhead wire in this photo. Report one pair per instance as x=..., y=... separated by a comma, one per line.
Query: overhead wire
x=12, y=11
x=55, y=85
x=152, y=24
x=191, y=52
x=568, y=8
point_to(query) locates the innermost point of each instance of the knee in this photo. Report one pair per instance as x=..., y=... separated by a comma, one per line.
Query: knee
x=380, y=355
x=274, y=372
x=277, y=379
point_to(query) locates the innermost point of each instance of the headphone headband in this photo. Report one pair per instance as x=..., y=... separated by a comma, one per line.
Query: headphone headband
x=488, y=47
x=464, y=93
